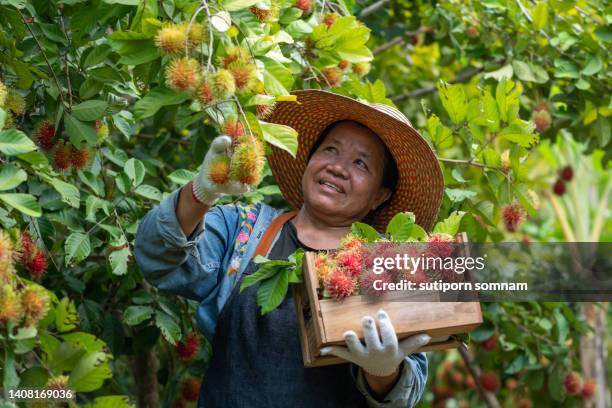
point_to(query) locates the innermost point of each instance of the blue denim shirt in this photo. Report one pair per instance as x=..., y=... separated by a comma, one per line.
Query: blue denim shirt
x=195, y=267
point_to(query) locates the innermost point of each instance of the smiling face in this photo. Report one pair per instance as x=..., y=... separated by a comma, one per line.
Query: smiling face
x=342, y=182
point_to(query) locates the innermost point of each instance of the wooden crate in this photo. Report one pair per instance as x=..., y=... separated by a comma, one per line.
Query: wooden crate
x=322, y=322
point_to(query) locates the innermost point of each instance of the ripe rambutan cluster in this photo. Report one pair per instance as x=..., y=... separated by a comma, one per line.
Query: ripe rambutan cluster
x=31, y=256
x=248, y=161
x=439, y=245
x=35, y=303
x=512, y=216
x=175, y=38
x=451, y=377
x=332, y=76
x=219, y=170
x=65, y=156
x=45, y=131
x=183, y=74
x=339, y=285
x=233, y=128
x=350, y=261
x=188, y=348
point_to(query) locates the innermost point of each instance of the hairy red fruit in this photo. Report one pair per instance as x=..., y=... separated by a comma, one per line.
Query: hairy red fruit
x=350, y=261
x=248, y=162
x=204, y=93
x=44, y=135
x=332, y=75
x=329, y=19
x=489, y=381
x=264, y=111
x=10, y=305
x=525, y=403
x=470, y=382
x=490, y=344
x=261, y=14
x=195, y=34
x=191, y=389
x=232, y=54
x=588, y=389
x=171, y=39
x=223, y=84
x=339, y=285
x=35, y=303
x=219, y=170
x=573, y=383
x=245, y=75
x=361, y=68
x=304, y=5
x=559, y=187
x=542, y=120
x=472, y=31
x=513, y=215
x=440, y=245
x=367, y=283
x=233, y=128
x=58, y=383
x=344, y=64
x=567, y=173
x=351, y=242
x=79, y=158
x=188, y=349
x=183, y=74
x=61, y=156
x=457, y=378
x=38, y=265
x=26, y=247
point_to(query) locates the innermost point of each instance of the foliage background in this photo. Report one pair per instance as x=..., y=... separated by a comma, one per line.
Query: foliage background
x=471, y=76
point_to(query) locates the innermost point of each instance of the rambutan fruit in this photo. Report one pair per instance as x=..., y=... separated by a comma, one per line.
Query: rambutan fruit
x=344, y=64
x=10, y=304
x=101, y=131
x=542, y=120
x=204, y=92
x=245, y=75
x=261, y=14
x=324, y=266
x=9, y=121
x=37, y=265
x=361, y=68
x=329, y=19
x=248, y=162
x=490, y=344
x=58, y=383
x=573, y=383
x=489, y=381
x=35, y=303
x=183, y=74
x=232, y=54
x=559, y=187
x=8, y=254
x=417, y=277
x=470, y=382
x=191, y=389
x=61, y=156
x=219, y=170
x=223, y=84
x=472, y=31
x=171, y=39
x=332, y=75
x=15, y=102
x=367, y=283
x=45, y=131
x=79, y=158
x=350, y=261
x=339, y=285
x=3, y=94
x=567, y=173
x=233, y=128
x=195, y=35
x=188, y=349
x=513, y=215
x=588, y=389
x=263, y=112
x=304, y=5
x=440, y=245
x=351, y=242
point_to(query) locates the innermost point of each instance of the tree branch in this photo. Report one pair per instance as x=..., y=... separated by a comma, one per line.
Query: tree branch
x=488, y=397
x=372, y=8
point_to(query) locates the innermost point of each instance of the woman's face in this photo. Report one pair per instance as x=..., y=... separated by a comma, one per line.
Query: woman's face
x=343, y=179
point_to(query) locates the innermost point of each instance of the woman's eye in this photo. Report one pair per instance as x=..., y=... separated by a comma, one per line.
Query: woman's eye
x=361, y=163
x=330, y=148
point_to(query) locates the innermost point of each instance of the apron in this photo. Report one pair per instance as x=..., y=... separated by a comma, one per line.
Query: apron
x=257, y=360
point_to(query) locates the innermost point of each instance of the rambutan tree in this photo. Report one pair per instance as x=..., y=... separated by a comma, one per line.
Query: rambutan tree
x=106, y=106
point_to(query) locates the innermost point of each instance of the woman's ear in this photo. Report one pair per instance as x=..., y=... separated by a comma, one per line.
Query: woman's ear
x=383, y=195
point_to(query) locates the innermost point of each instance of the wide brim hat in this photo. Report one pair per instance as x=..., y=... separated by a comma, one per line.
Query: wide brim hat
x=420, y=184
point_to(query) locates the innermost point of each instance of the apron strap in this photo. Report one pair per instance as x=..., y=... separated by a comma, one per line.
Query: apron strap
x=266, y=240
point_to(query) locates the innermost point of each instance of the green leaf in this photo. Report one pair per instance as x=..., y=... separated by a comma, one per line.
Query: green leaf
x=281, y=136
x=14, y=142
x=507, y=98
x=77, y=247
x=11, y=380
x=87, y=341
x=66, y=317
x=124, y=2
x=89, y=110
x=523, y=71
x=565, y=69
x=2, y=118
x=265, y=271
x=25, y=203
x=90, y=372
x=157, y=99
x=519, y=135
x=400, y=226
x=454, y=101
x=441, y=136
x=594, y=66
x=135, y=170
x=97, y=56
x=450, y=225
x=233, y=5
x=66, y=356
x=110, y=401
x=555, y=383
x=278, y=79
x=365, y=231
x=70, y=194
x=540, y=15
x=457, y=194
x=169, y=329
x=135, y=315
x=11, y=176
x=271, y=292
x=79, y=132
x=181, y=176
x=119, y=261
x=150, y=192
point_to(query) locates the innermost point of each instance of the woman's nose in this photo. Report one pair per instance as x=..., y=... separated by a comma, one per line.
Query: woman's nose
x=338, y=168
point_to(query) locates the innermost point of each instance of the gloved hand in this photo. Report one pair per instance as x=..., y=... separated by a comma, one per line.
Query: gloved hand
x=203, y=188
x=380, y=358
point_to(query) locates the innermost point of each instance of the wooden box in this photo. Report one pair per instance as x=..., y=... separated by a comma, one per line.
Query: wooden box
x=322, y=322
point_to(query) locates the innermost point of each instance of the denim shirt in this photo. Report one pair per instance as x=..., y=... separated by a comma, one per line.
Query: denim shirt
x=196, y=268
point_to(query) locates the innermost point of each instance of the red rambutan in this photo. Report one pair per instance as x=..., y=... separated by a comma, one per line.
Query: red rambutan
x=191, y=389
x=339, y=285
x=37, y=265
x=79, y=158
x=183, y=74
x=567, y=173
x=489, y=381
x=61, y=156
x=188, y=349
x=573, y=383
x=304, y=5
x=44, y=135
x=588, y=389
x=219, y=170
x=332, y=75
x=513, y=215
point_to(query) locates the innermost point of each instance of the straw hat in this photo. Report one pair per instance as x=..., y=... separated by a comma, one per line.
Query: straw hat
x=420, y=183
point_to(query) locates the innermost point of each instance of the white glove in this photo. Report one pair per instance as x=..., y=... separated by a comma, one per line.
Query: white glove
x=203, y=188
x=380, y=358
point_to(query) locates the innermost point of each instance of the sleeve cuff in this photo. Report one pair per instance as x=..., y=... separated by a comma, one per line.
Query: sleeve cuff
x=397, y=396
x=169, y=227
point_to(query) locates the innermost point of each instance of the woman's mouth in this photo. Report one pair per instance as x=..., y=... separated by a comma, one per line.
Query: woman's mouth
x=331, y=187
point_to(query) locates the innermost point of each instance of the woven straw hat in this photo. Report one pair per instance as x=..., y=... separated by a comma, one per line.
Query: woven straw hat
x=420, y=183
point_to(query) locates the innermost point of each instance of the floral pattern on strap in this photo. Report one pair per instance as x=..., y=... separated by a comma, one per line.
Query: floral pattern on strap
x=248, y=215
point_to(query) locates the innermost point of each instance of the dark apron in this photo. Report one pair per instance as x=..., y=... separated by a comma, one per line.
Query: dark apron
x=257, y=361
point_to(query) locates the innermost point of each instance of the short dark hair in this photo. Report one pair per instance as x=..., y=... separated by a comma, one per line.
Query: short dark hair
x=390, y=172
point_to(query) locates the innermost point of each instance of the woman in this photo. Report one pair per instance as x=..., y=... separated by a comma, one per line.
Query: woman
x=355, y=162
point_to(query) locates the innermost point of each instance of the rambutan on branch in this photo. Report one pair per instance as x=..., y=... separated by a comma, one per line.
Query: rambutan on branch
x=474, y=369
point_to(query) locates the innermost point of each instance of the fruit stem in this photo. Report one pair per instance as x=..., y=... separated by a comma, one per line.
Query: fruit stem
x=560, y=212
x=488, y=397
